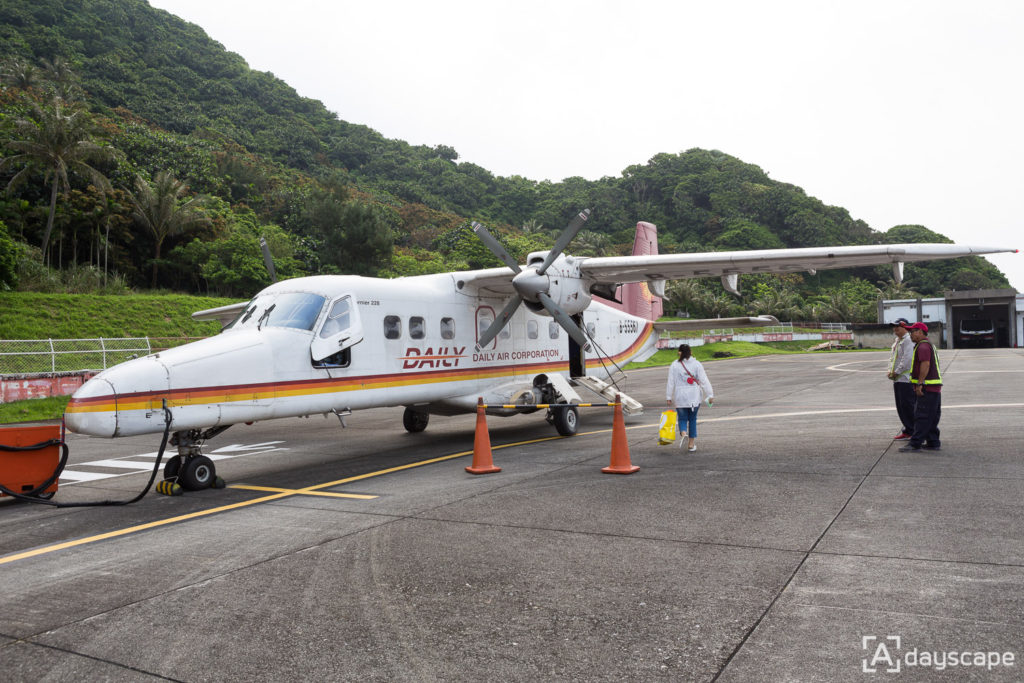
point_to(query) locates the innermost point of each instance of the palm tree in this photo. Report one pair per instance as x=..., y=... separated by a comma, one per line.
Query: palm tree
x=160, y=208
x=686, y=295
x=533, y=226
x=19, y=74
x=55, y=140
x=783, y=304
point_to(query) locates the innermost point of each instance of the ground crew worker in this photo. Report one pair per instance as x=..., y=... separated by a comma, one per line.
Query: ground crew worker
x=899, y=373
x=927, y=382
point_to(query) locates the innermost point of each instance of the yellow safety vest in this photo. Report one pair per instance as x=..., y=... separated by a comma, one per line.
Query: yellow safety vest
x=935, y=362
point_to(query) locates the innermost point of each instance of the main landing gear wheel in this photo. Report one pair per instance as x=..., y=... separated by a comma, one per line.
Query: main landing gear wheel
x=414, y=420
x=566, y=420
x=197, y=473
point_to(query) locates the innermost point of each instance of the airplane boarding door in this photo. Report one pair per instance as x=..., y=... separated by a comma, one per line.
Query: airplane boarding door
x=340, y=329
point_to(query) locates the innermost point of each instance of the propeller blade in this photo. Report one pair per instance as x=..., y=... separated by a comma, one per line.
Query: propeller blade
x=564, y=320
x=495, y=246
x=563, y=240
x=506, y=314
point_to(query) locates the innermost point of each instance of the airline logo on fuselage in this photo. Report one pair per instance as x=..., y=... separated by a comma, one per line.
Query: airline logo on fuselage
x=442, y=357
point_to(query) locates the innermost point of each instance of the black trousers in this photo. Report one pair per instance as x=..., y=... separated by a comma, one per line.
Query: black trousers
x=905, y=400
x=927, y=411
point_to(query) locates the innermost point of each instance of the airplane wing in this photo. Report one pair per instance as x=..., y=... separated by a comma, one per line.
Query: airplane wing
x=222, y=314
x=713, y=323
x=494, y=281
x=621, y=269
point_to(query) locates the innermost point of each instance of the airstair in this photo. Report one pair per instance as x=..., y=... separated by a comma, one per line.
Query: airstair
x=630, y=406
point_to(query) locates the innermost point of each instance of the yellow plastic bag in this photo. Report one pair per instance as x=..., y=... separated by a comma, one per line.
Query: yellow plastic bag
x=667, y=431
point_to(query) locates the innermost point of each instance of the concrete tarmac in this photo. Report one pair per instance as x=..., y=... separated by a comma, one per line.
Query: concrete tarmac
x=796, y=544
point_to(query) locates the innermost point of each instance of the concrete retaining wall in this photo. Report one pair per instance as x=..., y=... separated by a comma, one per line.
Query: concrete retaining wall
x=41, y=385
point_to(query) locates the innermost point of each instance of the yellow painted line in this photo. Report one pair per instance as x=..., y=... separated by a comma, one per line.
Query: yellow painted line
x=280, y=493
x=141, y=527
x=300, y=492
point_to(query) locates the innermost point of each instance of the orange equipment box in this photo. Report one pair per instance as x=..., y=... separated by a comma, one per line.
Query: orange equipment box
x=22, y=471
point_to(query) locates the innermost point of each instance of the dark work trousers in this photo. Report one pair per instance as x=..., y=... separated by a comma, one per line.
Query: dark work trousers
x=927, y=411
x=905, y=399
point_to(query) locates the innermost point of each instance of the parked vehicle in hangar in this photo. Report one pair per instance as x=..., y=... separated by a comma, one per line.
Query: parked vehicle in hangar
x=976, y=333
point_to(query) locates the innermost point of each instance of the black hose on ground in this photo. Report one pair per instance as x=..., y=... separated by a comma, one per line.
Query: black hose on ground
x=33, y=496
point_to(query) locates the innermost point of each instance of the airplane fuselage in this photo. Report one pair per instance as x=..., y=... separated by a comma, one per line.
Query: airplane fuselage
x=337, y=343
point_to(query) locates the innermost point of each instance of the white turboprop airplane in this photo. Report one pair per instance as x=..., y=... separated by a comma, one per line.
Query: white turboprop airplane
x=523, y=335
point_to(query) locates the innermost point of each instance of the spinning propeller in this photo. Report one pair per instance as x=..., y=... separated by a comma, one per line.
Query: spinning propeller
x=533, y=284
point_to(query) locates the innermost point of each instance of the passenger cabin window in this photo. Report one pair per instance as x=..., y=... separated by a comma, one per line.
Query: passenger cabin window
x=591, y=329
x=298, y=310
x=532, y=329
x=553, y=329
x=337, y=319
x=447, y=328
x=417, y=327
x=505, y=332
x=392, y=327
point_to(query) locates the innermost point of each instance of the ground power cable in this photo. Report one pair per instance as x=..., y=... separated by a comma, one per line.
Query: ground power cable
x=36, y=494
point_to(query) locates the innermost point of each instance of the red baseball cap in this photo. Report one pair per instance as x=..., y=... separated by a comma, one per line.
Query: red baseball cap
x=918, y=326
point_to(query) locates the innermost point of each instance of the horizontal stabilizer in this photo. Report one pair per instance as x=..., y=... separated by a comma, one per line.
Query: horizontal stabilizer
x=715, y=323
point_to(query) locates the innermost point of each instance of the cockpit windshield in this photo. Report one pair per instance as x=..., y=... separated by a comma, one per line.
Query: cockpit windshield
x=290, y=309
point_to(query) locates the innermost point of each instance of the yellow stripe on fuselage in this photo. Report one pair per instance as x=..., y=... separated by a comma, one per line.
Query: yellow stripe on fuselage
x=198, y=396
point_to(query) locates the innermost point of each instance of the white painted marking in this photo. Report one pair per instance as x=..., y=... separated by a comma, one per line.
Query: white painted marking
x=75, y=476
x=138, y=463
x=236, y=447
x=852, y=410
x=880, y=366
x=121, y=464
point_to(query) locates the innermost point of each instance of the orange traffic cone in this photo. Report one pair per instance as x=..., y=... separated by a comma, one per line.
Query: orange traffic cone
x=620, y=463
x=483, y=463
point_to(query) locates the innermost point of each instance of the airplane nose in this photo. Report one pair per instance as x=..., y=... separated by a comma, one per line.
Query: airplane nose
x=92, y=409
x=111, y=403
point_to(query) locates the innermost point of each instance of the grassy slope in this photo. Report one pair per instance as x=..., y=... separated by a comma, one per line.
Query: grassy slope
x=738, y=349
x=28, y=315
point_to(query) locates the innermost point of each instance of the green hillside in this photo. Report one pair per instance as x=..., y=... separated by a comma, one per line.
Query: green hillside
x=164, y=111
x=28, y=315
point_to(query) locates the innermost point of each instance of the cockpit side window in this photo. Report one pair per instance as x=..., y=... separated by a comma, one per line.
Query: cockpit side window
x=338, y=319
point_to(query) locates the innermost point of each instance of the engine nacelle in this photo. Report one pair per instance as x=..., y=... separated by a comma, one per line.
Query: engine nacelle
x=562, y=282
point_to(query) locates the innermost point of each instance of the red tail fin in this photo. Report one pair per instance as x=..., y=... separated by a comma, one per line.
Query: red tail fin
x=636, y=298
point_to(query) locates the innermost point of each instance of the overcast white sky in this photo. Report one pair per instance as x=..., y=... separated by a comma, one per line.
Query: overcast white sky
x=898, y=111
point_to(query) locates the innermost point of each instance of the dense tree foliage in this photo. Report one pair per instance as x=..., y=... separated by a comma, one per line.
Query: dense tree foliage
x=334, y=196
x=9, y=253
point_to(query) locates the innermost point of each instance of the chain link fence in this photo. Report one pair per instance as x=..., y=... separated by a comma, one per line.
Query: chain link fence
x=32, y=356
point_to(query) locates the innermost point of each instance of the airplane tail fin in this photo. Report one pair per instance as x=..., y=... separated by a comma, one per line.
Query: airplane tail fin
x=636, y=298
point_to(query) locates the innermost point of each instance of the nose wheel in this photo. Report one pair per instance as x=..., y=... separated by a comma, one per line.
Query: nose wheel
x=190, y=469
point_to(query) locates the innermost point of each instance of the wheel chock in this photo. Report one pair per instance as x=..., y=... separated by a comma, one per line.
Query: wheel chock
x=483, y=462
x=620, y=463
x=218, y=483
x=169, y=487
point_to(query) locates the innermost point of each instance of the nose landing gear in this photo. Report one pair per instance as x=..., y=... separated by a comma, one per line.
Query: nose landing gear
x=190, y=469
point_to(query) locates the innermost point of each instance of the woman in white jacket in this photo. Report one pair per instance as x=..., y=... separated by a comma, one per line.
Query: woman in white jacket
x=687, y=386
